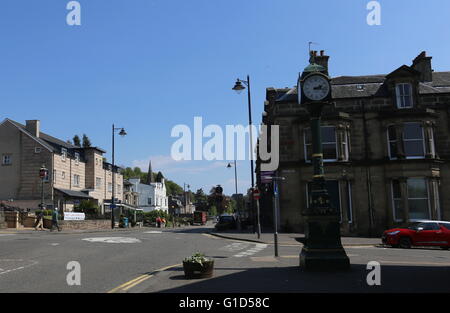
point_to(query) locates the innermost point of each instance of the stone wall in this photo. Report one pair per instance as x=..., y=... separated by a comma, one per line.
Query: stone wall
x=85, y=225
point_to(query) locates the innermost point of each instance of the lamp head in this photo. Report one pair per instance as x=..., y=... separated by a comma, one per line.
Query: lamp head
x=122, y=132
x=238, y=87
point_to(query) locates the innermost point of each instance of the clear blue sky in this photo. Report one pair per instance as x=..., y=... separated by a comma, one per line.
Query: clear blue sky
x=148, y=65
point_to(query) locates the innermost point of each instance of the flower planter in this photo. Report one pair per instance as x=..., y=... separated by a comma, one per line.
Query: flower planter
x=197, y=270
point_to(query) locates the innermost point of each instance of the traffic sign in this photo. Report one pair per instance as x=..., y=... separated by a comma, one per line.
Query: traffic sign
x=256, y=194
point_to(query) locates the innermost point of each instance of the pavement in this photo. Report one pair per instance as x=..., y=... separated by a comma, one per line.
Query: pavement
x=290, y=238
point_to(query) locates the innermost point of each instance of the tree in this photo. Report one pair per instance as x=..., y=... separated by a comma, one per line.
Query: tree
x=77, y=141
x=86, y=141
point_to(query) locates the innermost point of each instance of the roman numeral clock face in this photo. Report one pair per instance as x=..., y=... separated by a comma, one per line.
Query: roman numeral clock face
x=316, y=87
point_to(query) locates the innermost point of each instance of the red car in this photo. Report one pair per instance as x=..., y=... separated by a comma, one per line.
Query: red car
x=419, y=233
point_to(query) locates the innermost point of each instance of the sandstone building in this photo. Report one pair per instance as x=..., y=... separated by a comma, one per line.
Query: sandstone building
x=75, y=173
x=386, y=149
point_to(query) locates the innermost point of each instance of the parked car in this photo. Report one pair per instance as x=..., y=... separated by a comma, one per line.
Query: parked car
x=226, y=222
x=419, y=233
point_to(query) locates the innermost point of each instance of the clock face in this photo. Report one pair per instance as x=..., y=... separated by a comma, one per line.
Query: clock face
x=316, y=87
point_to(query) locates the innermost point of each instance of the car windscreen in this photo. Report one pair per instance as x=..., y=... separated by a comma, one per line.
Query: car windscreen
x=226, y=219
x=446, y=225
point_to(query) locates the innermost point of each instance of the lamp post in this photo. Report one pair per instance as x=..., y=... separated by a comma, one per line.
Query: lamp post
x=43, y=174
x=113, y=200
x=236, y=188
x=238, y=87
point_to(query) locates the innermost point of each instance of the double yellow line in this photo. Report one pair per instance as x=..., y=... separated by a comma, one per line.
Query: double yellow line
x=136, y=281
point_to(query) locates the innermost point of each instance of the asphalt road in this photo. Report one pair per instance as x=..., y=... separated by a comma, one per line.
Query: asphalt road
x=148, y=260
x=37, y=262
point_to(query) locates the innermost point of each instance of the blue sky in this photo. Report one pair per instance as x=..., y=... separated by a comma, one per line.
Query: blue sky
x=148, y=65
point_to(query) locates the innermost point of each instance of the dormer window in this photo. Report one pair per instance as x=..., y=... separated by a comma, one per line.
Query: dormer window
x=404, y=96
x=63, y=154
x=77, y=158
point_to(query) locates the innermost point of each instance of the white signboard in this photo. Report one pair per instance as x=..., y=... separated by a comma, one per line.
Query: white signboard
x=70, y=216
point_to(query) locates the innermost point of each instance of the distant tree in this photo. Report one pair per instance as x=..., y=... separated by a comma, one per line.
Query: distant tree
x=77, y=141
x=69, y=142
x=86, y=141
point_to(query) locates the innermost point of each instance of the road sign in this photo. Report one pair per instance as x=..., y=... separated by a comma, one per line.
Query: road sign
x=256, y=194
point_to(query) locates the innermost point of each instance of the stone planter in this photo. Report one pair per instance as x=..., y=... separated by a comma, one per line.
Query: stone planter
x=196, y=270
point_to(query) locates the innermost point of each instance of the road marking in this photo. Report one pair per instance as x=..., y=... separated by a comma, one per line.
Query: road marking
x=153, y=232
x=258, y=247
x=5, y=271
x=113, y=239
x=136, y=281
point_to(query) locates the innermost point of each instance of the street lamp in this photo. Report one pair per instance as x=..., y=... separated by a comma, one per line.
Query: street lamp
x=122, y=133
x=43, y=174
x=239, y=87
x=235, y=185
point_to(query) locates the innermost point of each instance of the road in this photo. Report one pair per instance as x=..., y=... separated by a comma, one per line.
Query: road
x=148, y=260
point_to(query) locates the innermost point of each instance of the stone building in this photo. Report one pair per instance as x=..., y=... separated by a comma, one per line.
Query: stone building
x=386, y=149
x=75, y=173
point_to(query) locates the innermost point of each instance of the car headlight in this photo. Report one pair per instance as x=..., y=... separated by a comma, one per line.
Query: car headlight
x=393, y=233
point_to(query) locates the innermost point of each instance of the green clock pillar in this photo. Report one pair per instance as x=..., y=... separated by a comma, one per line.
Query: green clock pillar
x=322, y=248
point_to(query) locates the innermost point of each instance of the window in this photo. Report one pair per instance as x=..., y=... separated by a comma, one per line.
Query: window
x=349, y=203
x=446, y=225
x=77, y=158
x=98, y=182
x=63, y=154
x=329, y=144
x=404, y=96
x=109, y=187
x=392, y=140
x=149, y=201
x=63, y=175
x=76, y=180
x=54, y=176
x=397, y=201
x=413, y=140
x=418, y=199
x=6, y=159
x=37, y=150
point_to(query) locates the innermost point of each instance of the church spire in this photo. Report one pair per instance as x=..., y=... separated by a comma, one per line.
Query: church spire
x=150, y=174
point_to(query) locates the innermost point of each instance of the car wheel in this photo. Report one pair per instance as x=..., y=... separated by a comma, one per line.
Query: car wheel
x=405, y=243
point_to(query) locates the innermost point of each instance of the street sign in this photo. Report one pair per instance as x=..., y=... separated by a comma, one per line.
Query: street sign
x=256, y=194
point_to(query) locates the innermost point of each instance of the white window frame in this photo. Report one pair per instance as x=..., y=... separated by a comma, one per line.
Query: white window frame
x=98, y=182
x=307, y=160
x=405, y=140
x=110, y=187
x=401, y=95
x=77, y=158
x=37, y=149
x=393, y=202
x=391, y=141
x=350, y=202
x=428, y=194
x=63, y=154
x=76, y=180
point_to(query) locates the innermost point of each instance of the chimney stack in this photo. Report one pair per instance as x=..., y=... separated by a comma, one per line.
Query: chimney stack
x=320, y=59
x=33, y=127
x=422, y=63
